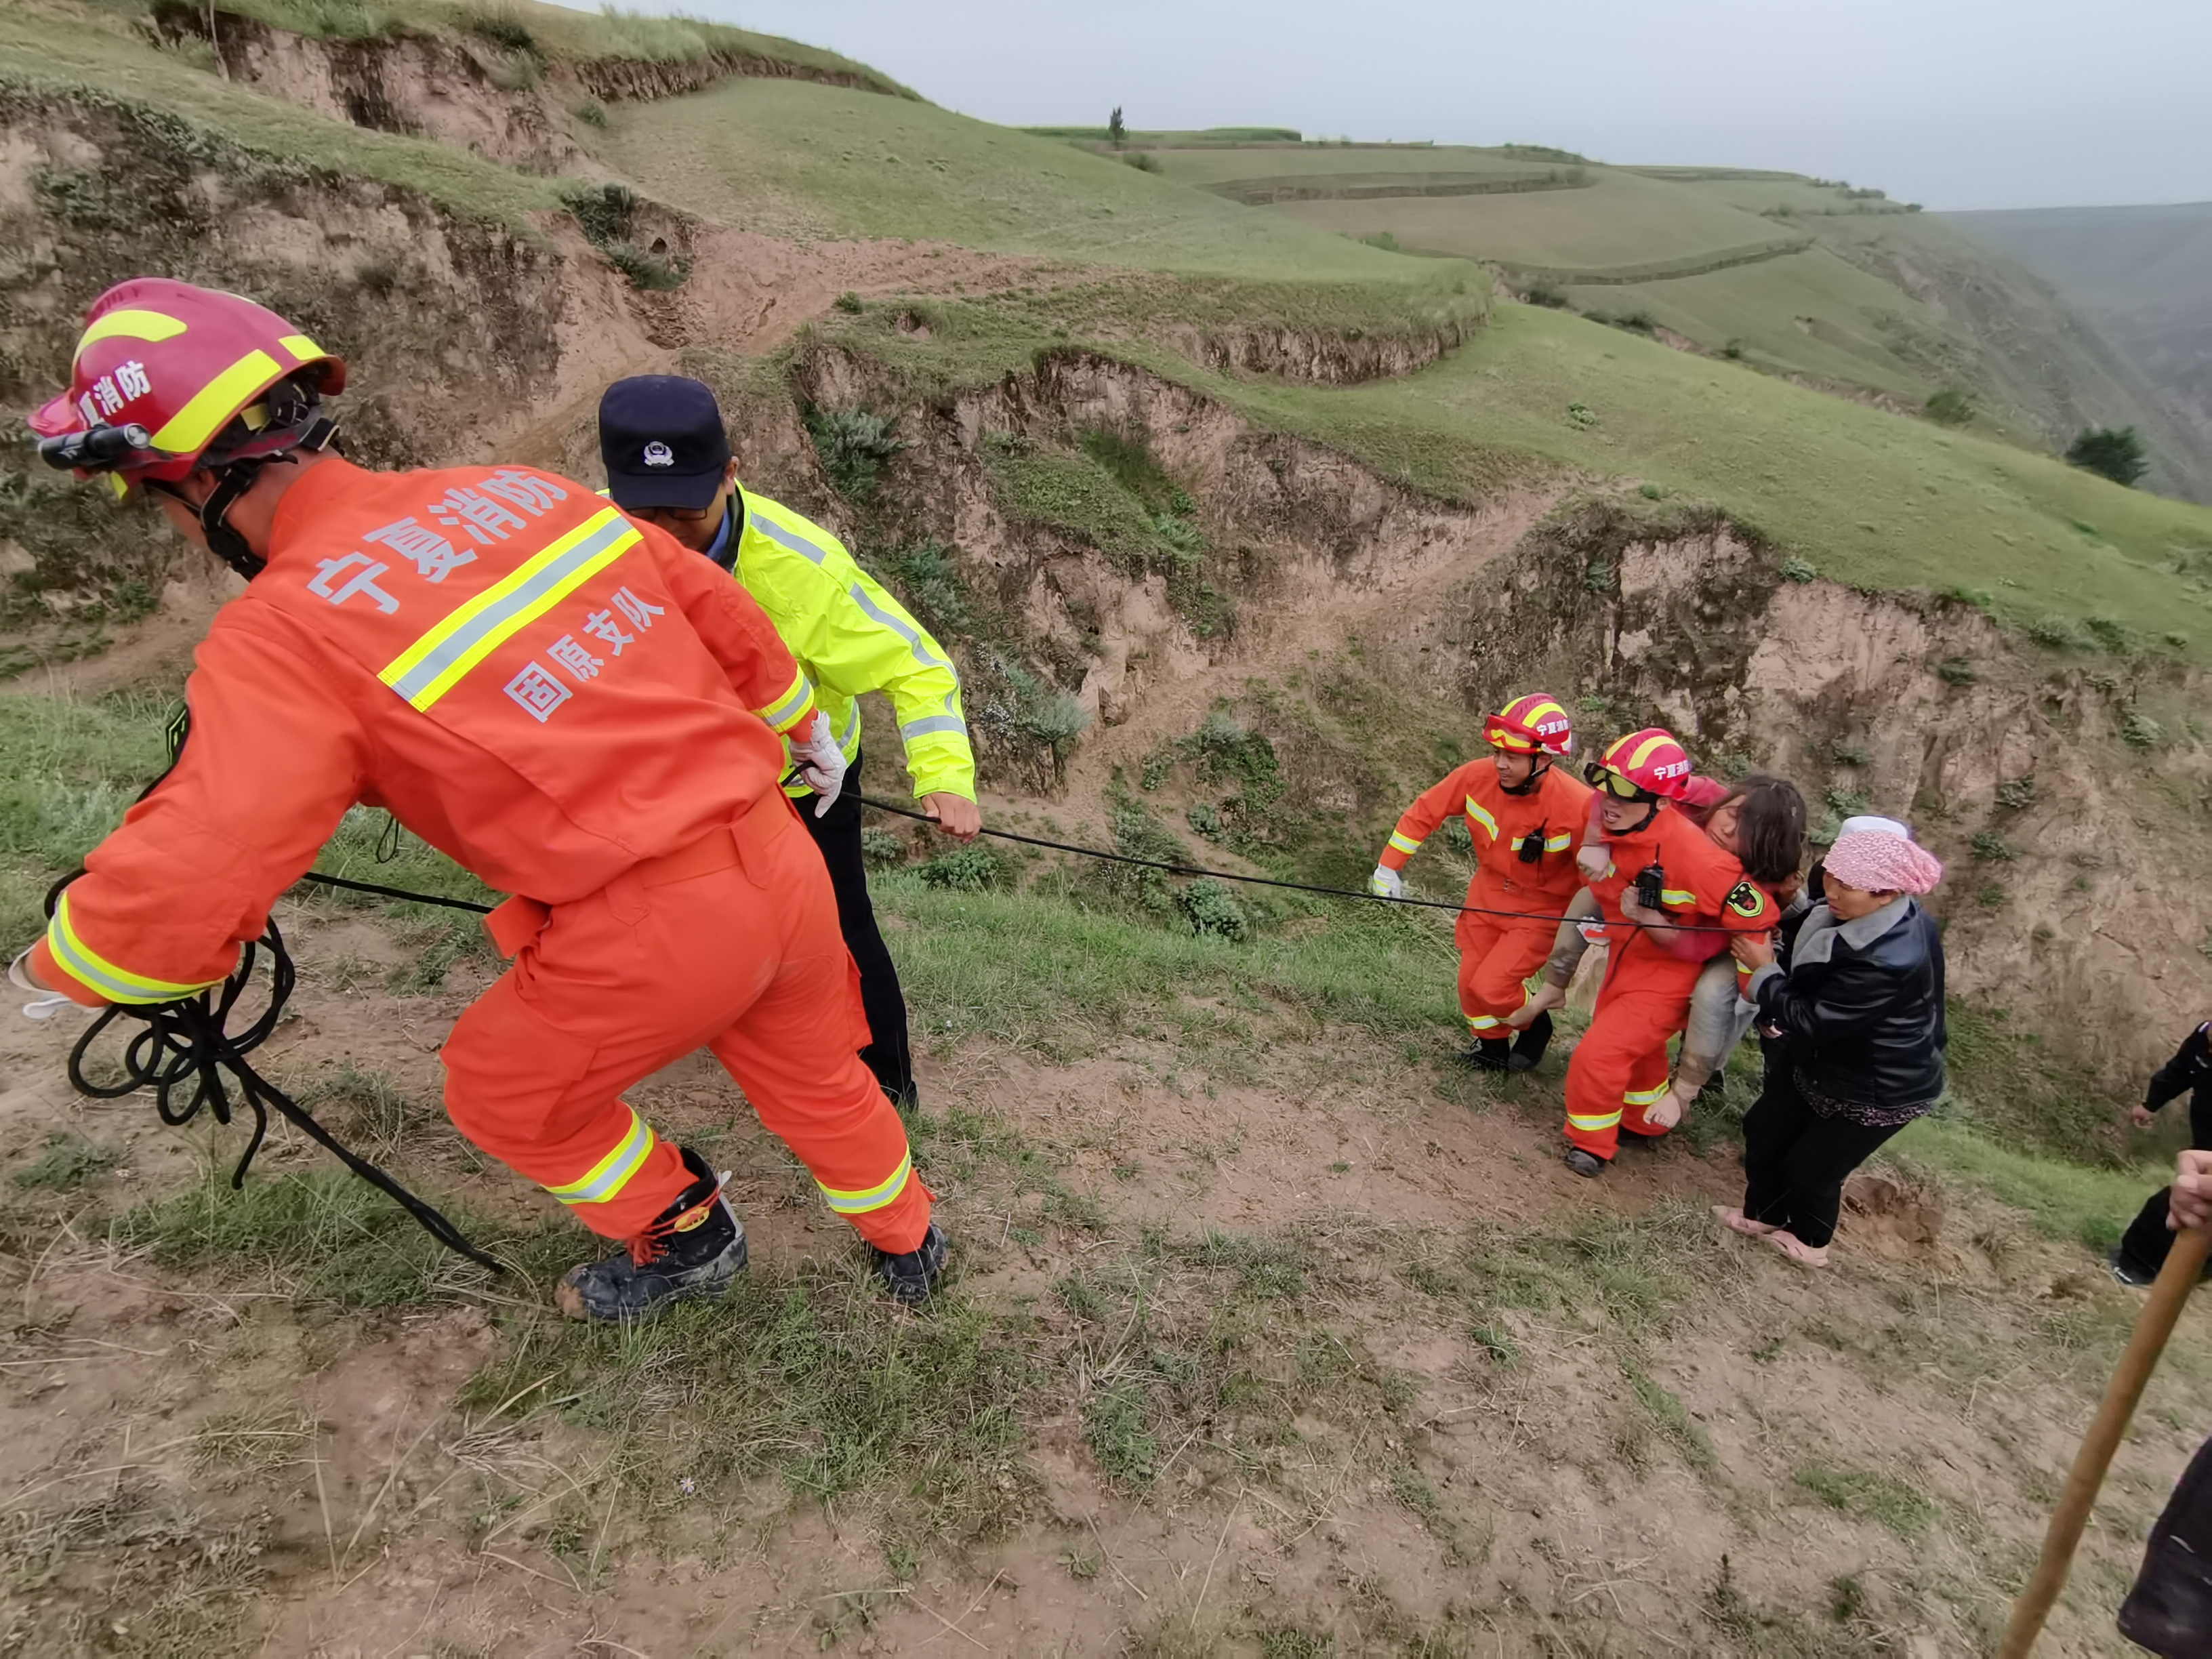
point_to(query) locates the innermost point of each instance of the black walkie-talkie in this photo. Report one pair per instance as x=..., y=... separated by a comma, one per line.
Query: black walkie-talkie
x=1532, y=846
x=1650, y=886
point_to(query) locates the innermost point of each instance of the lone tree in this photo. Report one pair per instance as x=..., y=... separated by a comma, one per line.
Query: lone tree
x=2111, y=452
x=1115, y=130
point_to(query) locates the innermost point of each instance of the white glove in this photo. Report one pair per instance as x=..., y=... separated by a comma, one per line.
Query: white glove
x=46, y=1004
x=821, y=762
x=1387, y=883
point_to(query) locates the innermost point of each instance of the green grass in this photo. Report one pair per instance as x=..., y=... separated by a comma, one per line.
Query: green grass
x=2065, y=1200
x=68, y=1161
x=1898, y=1505
x=71, y=769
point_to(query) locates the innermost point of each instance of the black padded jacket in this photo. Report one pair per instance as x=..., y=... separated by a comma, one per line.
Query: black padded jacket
x=1864, y=1015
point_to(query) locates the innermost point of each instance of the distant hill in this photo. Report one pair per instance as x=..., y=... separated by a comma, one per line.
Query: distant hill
x=2143, y=275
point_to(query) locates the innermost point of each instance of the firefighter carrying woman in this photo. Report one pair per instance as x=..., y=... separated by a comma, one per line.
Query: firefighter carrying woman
x=1619, y=858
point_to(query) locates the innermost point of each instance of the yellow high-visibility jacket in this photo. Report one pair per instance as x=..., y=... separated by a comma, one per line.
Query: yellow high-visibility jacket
x=850, y=637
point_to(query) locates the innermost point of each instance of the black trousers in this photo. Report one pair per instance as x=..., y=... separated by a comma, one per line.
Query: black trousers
x=837, y=833
x=1795, y=1161
x=2170, y=1610
x=2144, y=1245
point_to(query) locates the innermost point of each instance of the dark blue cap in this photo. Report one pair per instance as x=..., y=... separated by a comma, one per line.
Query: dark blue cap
x=662, y=439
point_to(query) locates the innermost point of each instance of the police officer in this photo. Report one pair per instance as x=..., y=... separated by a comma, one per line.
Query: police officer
x=668, y=462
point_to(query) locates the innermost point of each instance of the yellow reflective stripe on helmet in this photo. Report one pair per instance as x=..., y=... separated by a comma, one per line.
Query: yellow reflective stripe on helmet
x=1645, y=749
x=1405, y=844
x=128, y=325
x=191, y=428
x=434, y=664
x=1642, y=1096
x=1593, y=1125
x=1474, y=810
x=1676, y=896
x=786, y=711
x=117, y=984
x=874, y=1198
x=611, y=1173
x=302, y=349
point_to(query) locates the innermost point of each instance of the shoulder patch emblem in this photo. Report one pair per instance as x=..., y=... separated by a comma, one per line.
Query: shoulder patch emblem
x=1747, y=902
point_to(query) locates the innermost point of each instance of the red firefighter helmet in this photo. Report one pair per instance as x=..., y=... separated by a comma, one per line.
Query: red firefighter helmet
x=168, y=377
x=1650, y=761
x=1528, y=725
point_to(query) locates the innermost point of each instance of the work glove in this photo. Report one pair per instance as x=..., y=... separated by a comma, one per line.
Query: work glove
x=821, y=763
x=1387, y=883
x=44, y=1004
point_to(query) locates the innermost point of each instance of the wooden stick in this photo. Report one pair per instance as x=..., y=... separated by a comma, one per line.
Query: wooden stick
x=2185, y=1265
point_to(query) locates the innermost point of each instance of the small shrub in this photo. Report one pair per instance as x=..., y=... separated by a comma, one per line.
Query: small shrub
x=1383, y=240
x=1848, y=802
x=519, y=73
x=507, y=33
x=1991, y=895
x=2017, y=795
x=2114, y=453
x=1956, y=671
x=1212, y=910
x=377, y=276
x=1949, y=408
x=2139, y=731
x=590, y=110
x=1651, y=492
x=603, y=214
x=1844, y=752
x=1799, y=570
x=2110, y=632
x=1581, y=415
x=1637, y=322
x=929, y=573
x=879, y=848
x=964, y=870
x=1733, y=351
x=1980, y=598
x=1551, y=299
x=849, y=302
x=856, y=444
x=1140, y=160
x=653, y=272
x=2055, y=632
x=1994, y=848
x=1206, y=819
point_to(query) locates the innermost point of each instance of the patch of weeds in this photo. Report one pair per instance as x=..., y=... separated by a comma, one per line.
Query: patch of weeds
x=1868, y=1495
x=1991, y=895
x=1551, y=298
x=1082, y=1564
x=69, y=1161
x=928, y=576
x=1993, y=848
x=590, y=110
x=1956, y=671
x=2017, y=795
x=1411, y=1488
x=1211, y=908
x=1799, y=570
x=962, y=870
x=646, y=269
x=1114, y=1423
x=1845, y=752
x=1666, y=1410
x=856, y=444
x=2055, y=632
x=849, y=302
x=881, y=849
x=1288, y=1642
x=1272, y=1269
x=1205, y=819
x=2109, y=632
x=378, y=1113
x=1949, y=407
x=1581, y=415
x=441, y=940
x=1847, y=803
x=2139, y=731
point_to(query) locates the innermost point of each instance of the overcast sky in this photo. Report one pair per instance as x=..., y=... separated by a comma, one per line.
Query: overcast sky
x=1955, y=103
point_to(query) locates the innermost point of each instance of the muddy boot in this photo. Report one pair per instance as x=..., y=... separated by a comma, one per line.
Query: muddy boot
x=911, y=1276
x=1488, y=1054
x=694, y=1248
x=1584, y=1163
x=1529, y=1047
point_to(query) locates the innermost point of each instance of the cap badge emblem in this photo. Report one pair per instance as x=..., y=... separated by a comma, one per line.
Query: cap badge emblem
x=657, y=453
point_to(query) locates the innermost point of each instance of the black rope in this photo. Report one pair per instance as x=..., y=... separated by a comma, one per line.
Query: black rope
x=183, y=1051
x=1293, y=886
x=317, y=880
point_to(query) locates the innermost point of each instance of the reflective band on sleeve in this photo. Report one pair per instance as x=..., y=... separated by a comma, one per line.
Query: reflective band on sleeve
x=786, y=713
x=1482, y=1022
x=1643, y=1096
x=898, y=625
x=1474, y=810
x=875, y=1198
x=116, y=984
x=1558, y=844
x=611, y=1173
x=434, y=664
x=190, y=428
x=929, y=723
x=852, y=732
x=1405, y=844
x=1676, y=898
x=785, y=537
x=1590, y=1126
x=129, y=325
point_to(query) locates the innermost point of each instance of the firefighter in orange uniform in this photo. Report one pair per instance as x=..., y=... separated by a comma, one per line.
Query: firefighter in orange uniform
x=568, y=703
x=1665, y=871
x=1525, y=816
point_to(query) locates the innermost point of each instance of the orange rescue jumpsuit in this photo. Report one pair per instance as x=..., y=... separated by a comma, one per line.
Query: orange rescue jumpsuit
x=1497, y=954
x=584, y=714
x=1618, y=1070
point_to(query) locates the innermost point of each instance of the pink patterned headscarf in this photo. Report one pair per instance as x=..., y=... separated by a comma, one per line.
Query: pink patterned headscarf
x=1879, y=860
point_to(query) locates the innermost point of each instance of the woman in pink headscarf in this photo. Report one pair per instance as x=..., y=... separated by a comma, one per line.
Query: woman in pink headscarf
x=1862, y=1010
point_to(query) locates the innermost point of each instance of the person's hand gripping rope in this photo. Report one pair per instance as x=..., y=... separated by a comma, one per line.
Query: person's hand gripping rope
x=821, y=763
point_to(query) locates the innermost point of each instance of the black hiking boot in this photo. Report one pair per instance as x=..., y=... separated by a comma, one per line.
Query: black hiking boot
x=1529, y=1047
x=2129, y=1271
x=694, y=1248
x=911, y=1276
x=1584, y=1163
x=1488, y=1054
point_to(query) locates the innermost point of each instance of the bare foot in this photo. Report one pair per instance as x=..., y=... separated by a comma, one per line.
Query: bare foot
x=1737, y=1222
x=1796, y=1249
x=1546, y=997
